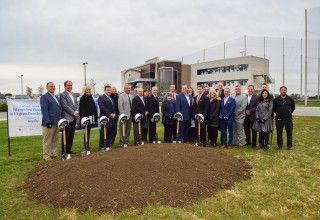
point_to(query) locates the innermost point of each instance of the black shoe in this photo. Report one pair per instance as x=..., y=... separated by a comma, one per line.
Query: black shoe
x=265, y=148
x=253, y=146
x=289, y=148
x=279, y=147
x=247, y=144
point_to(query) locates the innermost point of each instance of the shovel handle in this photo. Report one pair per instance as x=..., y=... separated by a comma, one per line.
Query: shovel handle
x=105, y=132
x=123, y=129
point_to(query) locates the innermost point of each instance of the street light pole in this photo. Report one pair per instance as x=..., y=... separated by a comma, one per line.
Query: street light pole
x=21, y=85
x=85, y=74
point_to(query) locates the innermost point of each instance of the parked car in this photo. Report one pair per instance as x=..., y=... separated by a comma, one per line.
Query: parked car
x=20, y=97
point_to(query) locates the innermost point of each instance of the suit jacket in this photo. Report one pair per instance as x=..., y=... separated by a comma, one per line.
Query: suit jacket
x=106, y=106
x=68, y=105
x=138, y=107
x=201, y=107
x=182, y=106
x=241, y=104
x=153, y=106
x=50, y=109
x=252, y=106
x=221, y=95
x=227, y=109
x=115, y=97
x=213, y=113
x=124, y=104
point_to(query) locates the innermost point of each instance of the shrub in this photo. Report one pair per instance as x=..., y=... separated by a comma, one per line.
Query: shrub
x=3, y=107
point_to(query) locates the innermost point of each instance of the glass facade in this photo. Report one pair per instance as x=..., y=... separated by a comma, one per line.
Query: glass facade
x=223, y=69
x=227, y=83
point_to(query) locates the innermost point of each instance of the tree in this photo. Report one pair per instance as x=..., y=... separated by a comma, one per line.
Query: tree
x=40, y=90
x=29, y=91
x=92, y=83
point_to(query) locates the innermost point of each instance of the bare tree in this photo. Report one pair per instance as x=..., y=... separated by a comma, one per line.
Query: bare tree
x=40, y=90
x=92, y=83
x=29, y=91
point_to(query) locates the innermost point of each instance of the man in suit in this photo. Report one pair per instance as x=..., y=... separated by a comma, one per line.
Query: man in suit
x=220, y=90
x=200, y=105
x=252, y=103
x=51, y=114
x=228, y=106
x=153, y=107
x=139, y=106
x=70, y=111
x=114, y=95
x=239, y=116
x=183, y=105
x=107, y=108
x=125, y=106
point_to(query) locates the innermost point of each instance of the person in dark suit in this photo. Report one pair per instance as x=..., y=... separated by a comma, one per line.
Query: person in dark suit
x=70, y=111
x=114, y=95
x=168, y=120
x=228, y=105
x=252, y=103
x=107, y=108
x=139, y=106
x=153, y=107
x=145, y=129
x=87, y=108
x=213, y=118
x=184, y=106
x=51, y=114
x=200, y=106
x=220, y=91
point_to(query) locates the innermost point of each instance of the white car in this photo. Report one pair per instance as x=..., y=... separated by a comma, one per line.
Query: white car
x=20, y=97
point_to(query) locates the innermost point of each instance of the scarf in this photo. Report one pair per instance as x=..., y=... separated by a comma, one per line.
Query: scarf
x=170, y=102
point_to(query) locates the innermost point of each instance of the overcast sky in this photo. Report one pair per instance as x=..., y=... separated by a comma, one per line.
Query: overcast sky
x=49, y=40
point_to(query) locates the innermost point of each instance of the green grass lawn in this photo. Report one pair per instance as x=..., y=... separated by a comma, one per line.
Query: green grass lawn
x=284, y=185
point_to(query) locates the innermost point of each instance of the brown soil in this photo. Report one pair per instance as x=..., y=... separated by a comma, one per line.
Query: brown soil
x=131, y=178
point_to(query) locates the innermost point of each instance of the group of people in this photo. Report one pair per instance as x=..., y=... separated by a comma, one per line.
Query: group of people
x=201, y=114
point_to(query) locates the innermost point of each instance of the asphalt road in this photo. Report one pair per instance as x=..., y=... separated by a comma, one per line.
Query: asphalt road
x=301, y=111
x=307, y=111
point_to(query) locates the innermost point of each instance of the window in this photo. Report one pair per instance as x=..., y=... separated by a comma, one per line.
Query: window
x=223, y=69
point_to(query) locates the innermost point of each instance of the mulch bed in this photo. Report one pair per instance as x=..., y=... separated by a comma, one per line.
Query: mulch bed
x=132, y=178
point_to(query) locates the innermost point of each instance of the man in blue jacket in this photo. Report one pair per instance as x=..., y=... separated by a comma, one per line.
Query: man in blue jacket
x=228, y=106
x=183, y=105
x=51, y=114
x=107, y=108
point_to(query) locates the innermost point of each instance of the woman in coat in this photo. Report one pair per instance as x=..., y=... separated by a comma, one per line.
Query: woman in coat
x=213, y=118
x=263, y=123
x=168, y=120
x=146, y=124
x=87, y=108
x=192, y=129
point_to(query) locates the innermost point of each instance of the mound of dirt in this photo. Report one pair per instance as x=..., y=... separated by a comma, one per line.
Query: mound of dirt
x=131, y=178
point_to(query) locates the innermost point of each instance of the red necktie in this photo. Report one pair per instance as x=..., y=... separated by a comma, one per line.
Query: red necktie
x=199, y=96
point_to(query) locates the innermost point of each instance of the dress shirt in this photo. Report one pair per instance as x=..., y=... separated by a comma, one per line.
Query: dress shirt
x=225, y=100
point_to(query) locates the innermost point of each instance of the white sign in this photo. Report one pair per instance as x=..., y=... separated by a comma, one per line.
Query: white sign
x=24, y=117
